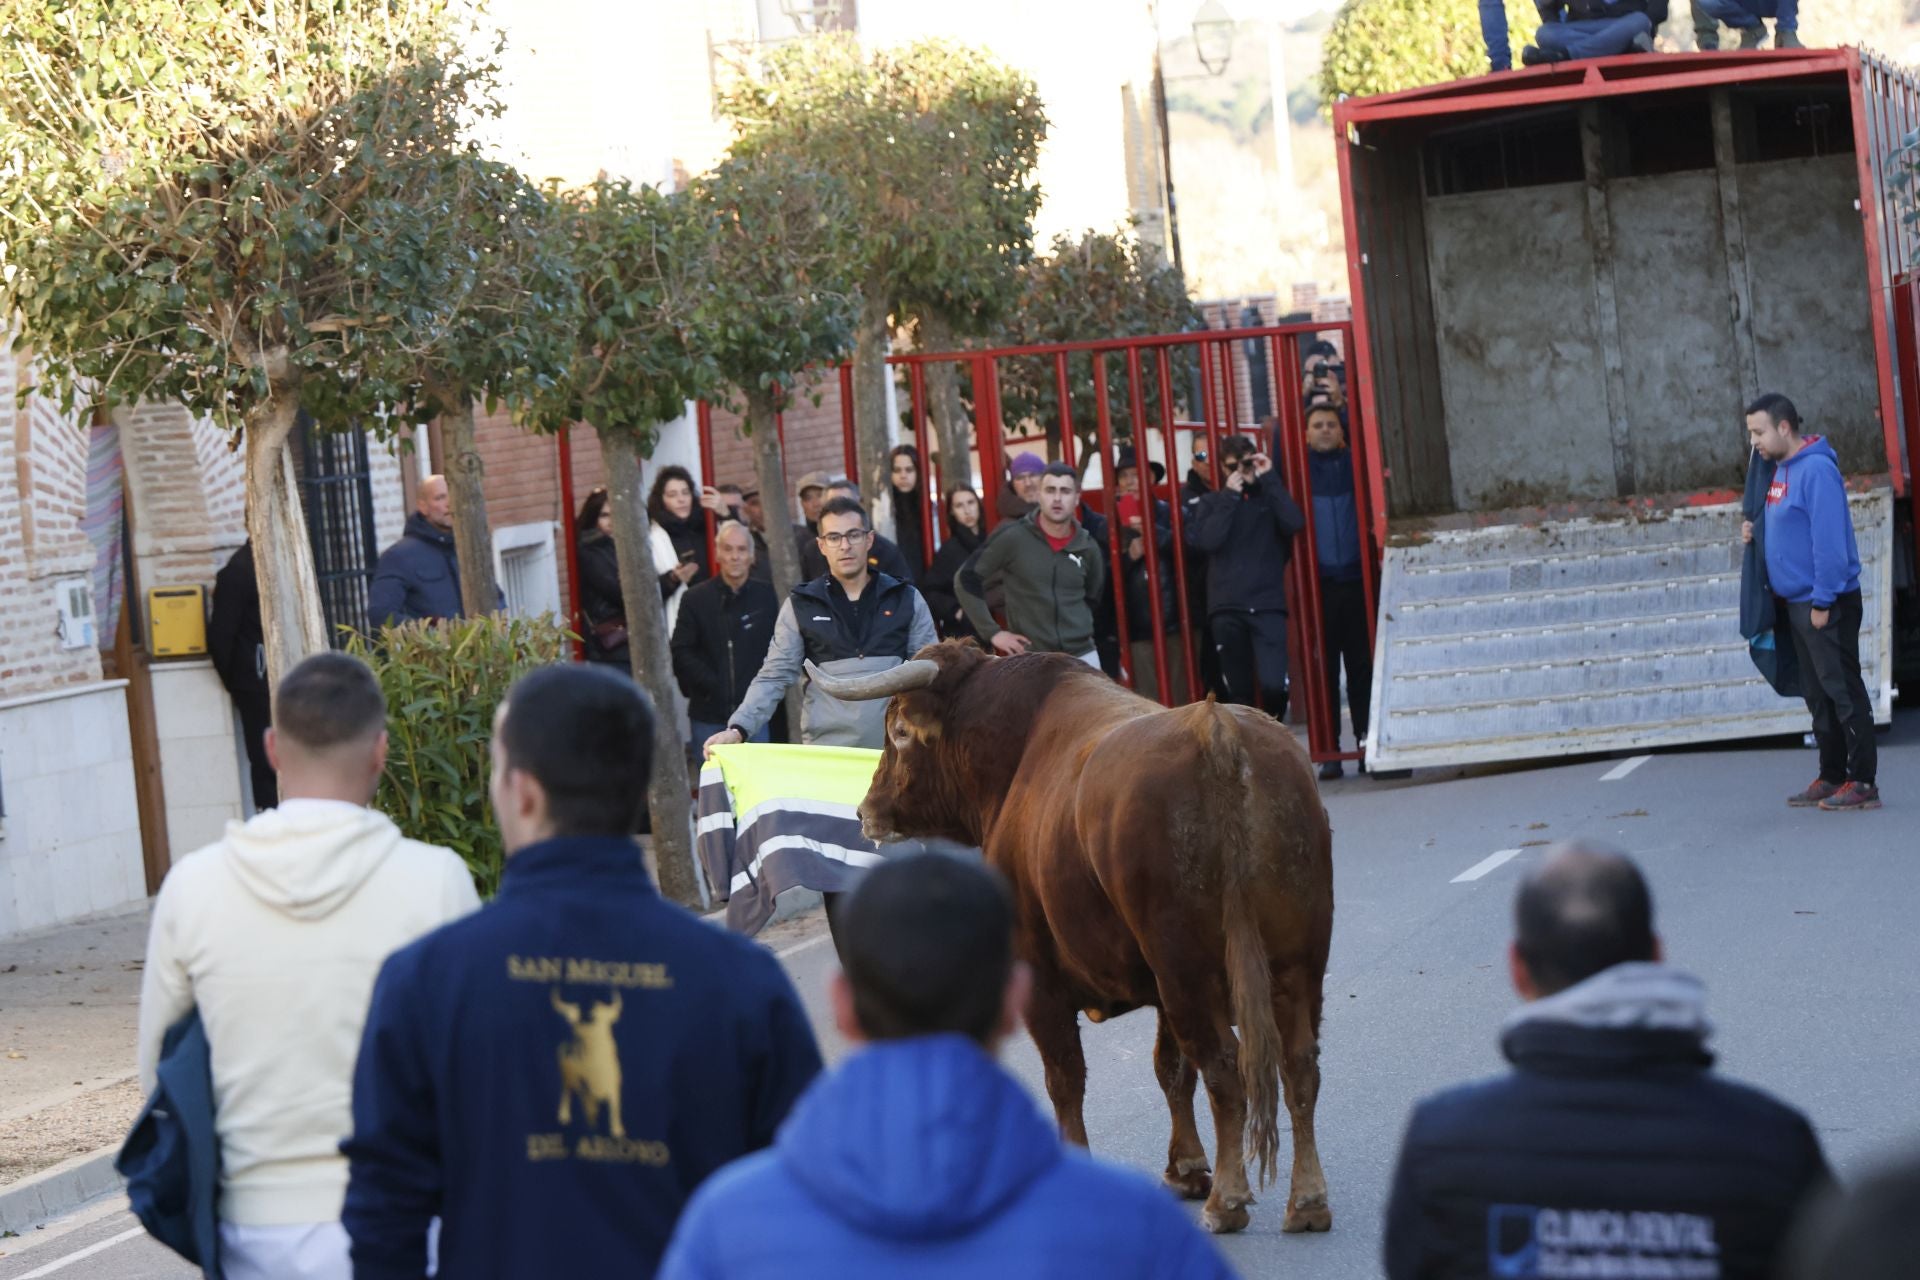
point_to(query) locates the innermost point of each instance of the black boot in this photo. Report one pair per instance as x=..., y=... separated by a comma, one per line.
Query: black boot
x=1331, y=770
x=1534, y=56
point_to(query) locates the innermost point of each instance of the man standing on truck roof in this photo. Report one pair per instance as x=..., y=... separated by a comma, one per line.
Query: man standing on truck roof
x=1814, y=566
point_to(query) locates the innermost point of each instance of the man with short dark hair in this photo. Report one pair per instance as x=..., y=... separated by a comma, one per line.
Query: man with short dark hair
x=1813, y=564
x=883, y=556
x=1611, y=1140
x=1344, y=624
x=1246, y=530
x=552, y=1076
x=851, y=620
x=275, y=934
x=1050, y=573
x=920, y=1155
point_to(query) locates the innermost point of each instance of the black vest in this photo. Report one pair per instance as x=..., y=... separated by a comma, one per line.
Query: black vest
x=888, y=629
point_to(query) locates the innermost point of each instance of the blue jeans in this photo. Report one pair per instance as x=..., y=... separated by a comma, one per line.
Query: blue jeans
x=1493, y=30
x=1745, y=14
x=1594, y=37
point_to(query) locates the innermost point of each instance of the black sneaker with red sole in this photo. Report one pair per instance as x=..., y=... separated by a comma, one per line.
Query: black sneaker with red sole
x=1855, y=795
x=1817, y=790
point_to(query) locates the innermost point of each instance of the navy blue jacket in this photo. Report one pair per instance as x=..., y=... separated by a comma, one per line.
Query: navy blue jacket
x=1247, y=537
x=171, y=1160
x=1336, y=515
x=924, y=1158
x=1603, y=1141
x=555, y=1074
x=417, y=577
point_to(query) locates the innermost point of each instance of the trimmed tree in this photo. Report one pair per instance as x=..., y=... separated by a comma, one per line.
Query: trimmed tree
x=507, y=335
x=774, y=300
x=1097, y=286
x=1381, y=46
x=633, y=365
x=189, y=194
x=935, y=145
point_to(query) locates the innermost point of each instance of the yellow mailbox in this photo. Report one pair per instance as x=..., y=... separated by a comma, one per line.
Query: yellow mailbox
x=177, y=622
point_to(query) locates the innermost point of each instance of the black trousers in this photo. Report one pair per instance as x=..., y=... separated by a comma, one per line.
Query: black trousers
x=256, y=713
x=1836, y=695
x=1344, y=633
x=1252, y=648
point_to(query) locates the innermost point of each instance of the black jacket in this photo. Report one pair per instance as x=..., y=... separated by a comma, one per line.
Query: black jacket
x=417, y=577
x=1139, y=586
x=235, y=640
x=1604, y=1140
x=1247, y=537
x=719, y=643
x=600, y=595
x=689, y=538
x=937, y=583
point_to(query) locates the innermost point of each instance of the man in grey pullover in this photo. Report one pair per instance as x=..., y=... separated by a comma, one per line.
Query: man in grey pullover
x=1050, y=572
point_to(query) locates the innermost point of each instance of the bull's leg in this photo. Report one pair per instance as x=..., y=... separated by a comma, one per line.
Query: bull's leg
x=614, y=1126
x=1054, y=1023
x=1296, y=1011
x=1204, y=1029
x=1187, y=1170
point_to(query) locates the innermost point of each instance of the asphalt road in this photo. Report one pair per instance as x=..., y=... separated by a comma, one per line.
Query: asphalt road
x=1800, y=923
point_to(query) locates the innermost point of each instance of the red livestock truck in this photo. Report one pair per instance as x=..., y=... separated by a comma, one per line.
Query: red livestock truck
x=1567, y=284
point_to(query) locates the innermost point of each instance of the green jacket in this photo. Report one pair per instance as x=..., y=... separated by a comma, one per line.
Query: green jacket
x=1049, y=595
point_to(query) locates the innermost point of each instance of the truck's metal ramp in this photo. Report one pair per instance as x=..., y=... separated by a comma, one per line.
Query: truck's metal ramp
x=1517, y=642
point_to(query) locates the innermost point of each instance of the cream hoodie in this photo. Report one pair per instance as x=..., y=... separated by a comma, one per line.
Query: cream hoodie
x=277, y=933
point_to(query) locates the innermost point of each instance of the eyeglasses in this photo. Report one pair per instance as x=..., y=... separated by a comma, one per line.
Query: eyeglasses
x=839, y=540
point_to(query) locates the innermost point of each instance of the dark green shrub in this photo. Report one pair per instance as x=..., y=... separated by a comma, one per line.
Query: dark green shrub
x=443, y=681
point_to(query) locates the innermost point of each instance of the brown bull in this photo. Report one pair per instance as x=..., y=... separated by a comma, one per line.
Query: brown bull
x=1179, y=859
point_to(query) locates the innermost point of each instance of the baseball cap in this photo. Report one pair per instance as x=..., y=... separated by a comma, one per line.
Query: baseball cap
x=812, y=480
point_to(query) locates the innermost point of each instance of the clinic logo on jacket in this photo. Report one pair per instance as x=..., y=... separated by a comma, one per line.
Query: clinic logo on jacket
x=1529, y=1242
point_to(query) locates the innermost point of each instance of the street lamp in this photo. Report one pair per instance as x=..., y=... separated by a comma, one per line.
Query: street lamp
x=1213, y=36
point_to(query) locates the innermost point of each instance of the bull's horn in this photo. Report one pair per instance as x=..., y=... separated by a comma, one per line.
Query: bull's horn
x=916, y=673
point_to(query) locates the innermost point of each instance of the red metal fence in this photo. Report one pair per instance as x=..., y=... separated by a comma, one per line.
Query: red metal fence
x=1148, y=367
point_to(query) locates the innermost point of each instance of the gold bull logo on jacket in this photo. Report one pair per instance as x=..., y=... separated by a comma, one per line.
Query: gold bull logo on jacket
x=590, y=1063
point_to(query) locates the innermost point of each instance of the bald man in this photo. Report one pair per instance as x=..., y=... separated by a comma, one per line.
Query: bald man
x=721, y=638
x=419, y=576
x=1611, y=1149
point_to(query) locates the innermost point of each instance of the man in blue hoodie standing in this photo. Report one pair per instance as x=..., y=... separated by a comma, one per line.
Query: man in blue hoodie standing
x=1814, y=565
x=554, y=1077
x=1344, y=625
x=920, y=1155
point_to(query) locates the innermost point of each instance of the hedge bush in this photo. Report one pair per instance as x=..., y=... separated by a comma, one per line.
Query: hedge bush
x=443, y=681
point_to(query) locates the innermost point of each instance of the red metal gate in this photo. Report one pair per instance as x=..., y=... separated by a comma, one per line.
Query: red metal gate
x=1148, y=372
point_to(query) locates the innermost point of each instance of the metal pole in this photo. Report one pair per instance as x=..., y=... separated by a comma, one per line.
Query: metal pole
x=563, y=455
x=1142, y=473
x=703, y=424
x=1178, y=521
x=1105, y=424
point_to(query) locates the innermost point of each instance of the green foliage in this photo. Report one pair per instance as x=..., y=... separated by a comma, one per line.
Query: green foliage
x=774, y=293
x=634, y=356
x=443, y=682
x=1380, y=46
x=199, y=201
x=935, y=145
x=1099, y=286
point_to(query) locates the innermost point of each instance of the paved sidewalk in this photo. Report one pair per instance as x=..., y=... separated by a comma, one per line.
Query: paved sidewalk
x=69, y=1011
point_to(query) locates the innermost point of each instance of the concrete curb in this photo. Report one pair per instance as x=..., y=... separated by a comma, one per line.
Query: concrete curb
x=58, y=1191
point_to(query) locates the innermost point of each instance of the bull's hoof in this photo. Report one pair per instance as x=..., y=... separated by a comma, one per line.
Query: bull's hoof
x=1220, y=1221
x=1191, y=1179
x=1308, y=1215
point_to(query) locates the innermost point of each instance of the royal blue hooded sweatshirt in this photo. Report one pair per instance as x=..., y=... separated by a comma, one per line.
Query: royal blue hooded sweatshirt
x=924, y=1158
x=553, y=1075
x=1811, y=555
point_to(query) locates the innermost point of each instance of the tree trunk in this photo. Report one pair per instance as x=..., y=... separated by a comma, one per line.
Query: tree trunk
x=669, y=799
x=871, y=436
x=949, y=411
x=472, y=535
x=282, y=554
x=770, y=467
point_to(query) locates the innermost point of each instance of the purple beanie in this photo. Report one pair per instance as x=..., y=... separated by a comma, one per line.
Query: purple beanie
x=1027, y=464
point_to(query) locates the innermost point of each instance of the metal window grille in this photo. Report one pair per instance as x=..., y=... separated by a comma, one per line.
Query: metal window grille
x=336, y=489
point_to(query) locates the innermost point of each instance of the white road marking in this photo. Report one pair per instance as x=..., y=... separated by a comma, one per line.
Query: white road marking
x=1492, y=862
x=80, y=1255
x=798, y=947
x=1624, y=768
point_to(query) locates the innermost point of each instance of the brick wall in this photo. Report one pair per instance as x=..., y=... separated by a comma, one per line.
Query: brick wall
x=42, y=498
x=178, y=540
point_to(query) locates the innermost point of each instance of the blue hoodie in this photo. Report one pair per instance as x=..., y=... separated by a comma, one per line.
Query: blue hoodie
x=1811, y=556
x=924, y=1157
x=554, y=1075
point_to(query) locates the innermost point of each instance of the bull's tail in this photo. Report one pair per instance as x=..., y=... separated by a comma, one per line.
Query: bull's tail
x=1246, y=847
